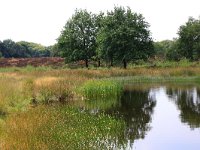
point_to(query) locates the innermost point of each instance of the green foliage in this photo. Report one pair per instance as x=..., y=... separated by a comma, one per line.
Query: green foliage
x=124, y=37
x=35, y=50
x=98, y=89
x=189, y=39
x=173, y=52
x=23, y=49
x=78, y=38
x=164, y=49
x=55, y=52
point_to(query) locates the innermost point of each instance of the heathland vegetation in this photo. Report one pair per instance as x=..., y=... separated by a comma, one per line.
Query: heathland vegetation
x=36, y=110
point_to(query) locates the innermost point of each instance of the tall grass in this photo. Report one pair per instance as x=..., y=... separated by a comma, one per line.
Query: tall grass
x=18, y=89
x=98, y=89
x=62, y=128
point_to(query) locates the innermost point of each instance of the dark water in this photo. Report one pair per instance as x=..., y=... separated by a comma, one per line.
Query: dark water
x=157, y=117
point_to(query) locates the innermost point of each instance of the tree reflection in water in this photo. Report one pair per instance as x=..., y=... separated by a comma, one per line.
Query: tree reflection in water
x=135, y=107
x=188, y=102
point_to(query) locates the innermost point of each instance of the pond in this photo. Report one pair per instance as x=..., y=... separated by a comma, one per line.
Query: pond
x=157, y=116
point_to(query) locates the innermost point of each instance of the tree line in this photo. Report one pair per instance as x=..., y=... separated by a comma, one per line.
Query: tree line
x=122, y=36
x=187, y=45
x=23, y=49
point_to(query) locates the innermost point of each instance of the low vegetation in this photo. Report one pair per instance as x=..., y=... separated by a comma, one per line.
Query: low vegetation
x=62, y=128
x=98, y=89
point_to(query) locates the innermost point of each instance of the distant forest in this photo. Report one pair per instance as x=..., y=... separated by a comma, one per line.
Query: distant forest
x=23, y=49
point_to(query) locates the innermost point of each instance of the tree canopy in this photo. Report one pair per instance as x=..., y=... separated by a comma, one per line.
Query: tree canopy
x=125, y=37
x=78, y=38
x=189, y=39
x=119, y=36
x=23, y=49
x=187, y=45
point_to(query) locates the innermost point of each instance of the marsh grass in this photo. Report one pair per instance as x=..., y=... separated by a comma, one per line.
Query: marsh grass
x=98, y=89
x=52, y=89
x=62, y=128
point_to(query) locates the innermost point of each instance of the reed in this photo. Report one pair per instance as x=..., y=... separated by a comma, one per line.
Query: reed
x=98, y=89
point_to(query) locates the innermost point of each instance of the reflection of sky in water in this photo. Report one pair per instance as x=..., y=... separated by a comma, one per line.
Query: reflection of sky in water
x=168, y=132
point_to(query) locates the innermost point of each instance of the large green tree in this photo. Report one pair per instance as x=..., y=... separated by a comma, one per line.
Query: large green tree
x=124, y=37
x=189, y=39
x=78, y=38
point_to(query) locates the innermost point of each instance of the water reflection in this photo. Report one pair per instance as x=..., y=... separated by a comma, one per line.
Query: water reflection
x=136, y=108
x=188, y=102
x=150, y=116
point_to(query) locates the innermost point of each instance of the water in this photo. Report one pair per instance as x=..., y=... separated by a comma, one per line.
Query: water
x=156, y=116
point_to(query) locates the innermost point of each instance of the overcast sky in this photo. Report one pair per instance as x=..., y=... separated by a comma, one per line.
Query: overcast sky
x=41, y=21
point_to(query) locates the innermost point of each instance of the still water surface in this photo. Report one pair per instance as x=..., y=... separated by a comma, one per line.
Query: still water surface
x=157, y=117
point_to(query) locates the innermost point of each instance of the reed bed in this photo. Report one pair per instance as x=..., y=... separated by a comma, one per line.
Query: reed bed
x=98, y=89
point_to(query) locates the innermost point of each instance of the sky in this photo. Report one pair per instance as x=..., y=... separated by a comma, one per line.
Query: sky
x=41, y=21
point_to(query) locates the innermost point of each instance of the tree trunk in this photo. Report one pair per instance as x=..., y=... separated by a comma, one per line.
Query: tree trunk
x=99, y=63
x=86, y=63
x=124, y=63
x=111, y=63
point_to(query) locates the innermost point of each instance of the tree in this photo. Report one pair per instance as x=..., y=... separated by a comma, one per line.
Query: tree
x=162, y=47
x=99, y=24
x=167, y=49
x=8, y=48
x=173, y=52
x=78, y=38
x=1, y=49
x=124, y=37
x=31, y=49
x=189, y=39
x=54, y=50
x=23, y=49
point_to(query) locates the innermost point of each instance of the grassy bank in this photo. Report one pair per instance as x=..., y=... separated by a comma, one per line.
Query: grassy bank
x=42, y=86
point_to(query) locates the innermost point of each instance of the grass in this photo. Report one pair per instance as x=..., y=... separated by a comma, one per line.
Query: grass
x=165, y=63
x=98, y=89
x=18, y=89
x=62, y=128
x=24, y=126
